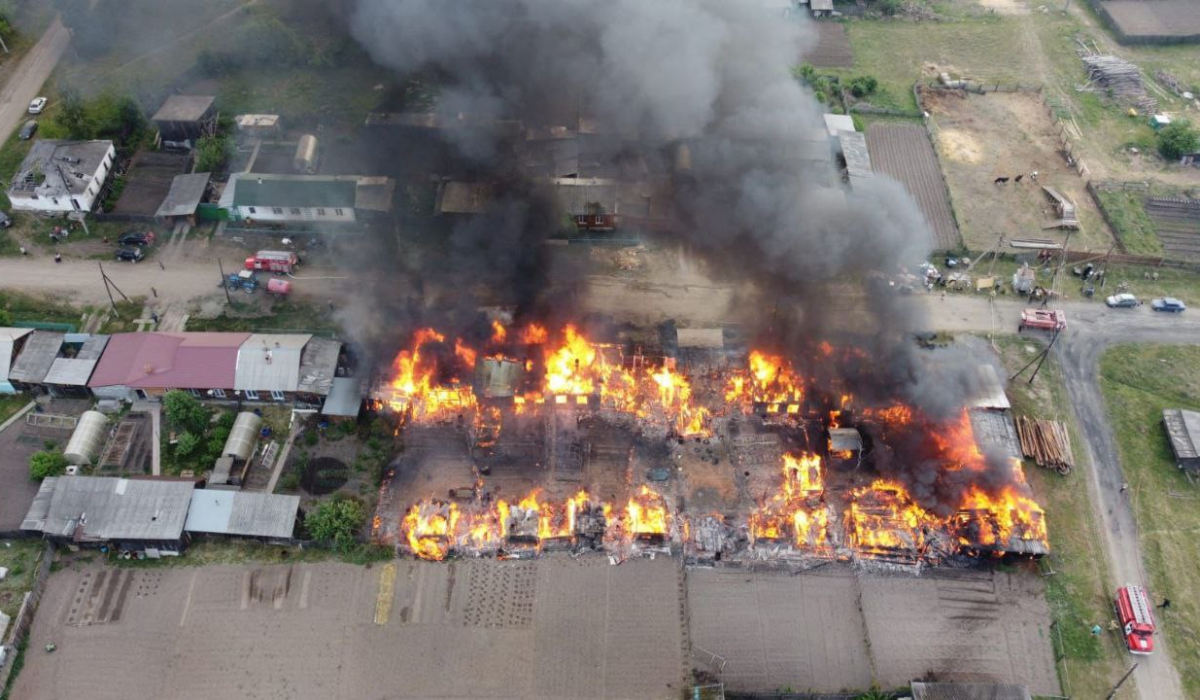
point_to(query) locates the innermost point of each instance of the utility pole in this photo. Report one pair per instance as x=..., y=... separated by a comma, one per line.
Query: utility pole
x=109, y=285
x=1039, y=359
x=224, y=282
x=1125, y=677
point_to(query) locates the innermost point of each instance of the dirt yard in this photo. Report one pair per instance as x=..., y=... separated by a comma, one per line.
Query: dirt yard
x=834, y=628
x=984, y=137
x=830, y=47
x=903, y=152
x=552, y=628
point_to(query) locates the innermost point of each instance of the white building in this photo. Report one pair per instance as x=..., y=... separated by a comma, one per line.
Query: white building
x=305, y=198
x=61, y=176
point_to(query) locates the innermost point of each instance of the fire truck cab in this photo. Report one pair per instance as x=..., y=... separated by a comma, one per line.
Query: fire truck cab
x=1044, y=319
x=277, y=261
x=1137, y=622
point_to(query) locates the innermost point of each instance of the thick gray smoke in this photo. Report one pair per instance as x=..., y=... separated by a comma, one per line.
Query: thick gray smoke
x=760, y=197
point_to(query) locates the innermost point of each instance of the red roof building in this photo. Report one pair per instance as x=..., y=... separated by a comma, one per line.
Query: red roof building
x=155, y=362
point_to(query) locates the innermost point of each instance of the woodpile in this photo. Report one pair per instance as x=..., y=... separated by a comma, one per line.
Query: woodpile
x=1123, y=78
x=1047, y=443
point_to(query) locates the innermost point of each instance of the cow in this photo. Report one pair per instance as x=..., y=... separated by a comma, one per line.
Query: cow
x=1000, y=181
x=1018, y=178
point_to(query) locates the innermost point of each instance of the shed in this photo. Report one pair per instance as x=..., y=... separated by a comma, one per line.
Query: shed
x=74, y=372
x=345, y=398
x=968, y=691
x=856, y=155
x=258, y=125
x=835, y=123
x=243, y=514
x=1183, y=430
x=185, y=195
x=821, y=8
x=318, y=366
x=269, y=363
x=182, y=118
x=700, y=338
x=11, y=342
x=34, y=362
x=135, y=514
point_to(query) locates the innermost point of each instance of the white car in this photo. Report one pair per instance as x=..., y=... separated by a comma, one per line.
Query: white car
x=38, y=104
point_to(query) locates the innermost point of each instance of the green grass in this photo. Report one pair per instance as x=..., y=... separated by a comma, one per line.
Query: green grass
x=20, y=557
x=123, y=321
x=10, y=404
x=25, y=307
x=1077, y=591
x=234, y=552
x=1139, y=381
x=284, y=315
x=1131, y=223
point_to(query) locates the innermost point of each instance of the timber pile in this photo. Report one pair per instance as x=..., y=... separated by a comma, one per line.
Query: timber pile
x=1047, y=443
x=1123, y=78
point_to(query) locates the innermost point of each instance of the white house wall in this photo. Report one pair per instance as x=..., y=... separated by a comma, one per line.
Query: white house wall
x=296, y=214
x=86, y=199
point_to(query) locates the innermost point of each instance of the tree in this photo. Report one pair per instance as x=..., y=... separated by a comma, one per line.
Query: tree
x=186, y=444
x=212, y=152
x=74, y=117
x=5, y=318
x=863, y=85
x=184, y=412
x=44, y=464
x=335, y=521
x=1177, y=139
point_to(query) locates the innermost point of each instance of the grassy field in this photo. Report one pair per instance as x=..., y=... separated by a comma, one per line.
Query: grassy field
x=1077, y=589
x=1130, y=222
x=23, y=307
x=10, y=404
x=20, y=557
x=1139, y=381
x=282, y=316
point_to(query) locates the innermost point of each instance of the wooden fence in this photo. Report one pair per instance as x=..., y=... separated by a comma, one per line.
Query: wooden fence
x=24, y=619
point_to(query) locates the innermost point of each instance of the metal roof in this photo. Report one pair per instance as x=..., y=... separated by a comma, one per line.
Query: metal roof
x=854, y=150
x=374, y=193
x=988, y=392
x=464, y=197
x=221, y=512
x=185, y=195
x=8, y=340
x=269, y=362
x=968, y=691
x=36, y=357
x=76, y=371
x=345, y=398
x=845, y=440
x=100, y=508
x=52, y=168
x=839, y=122
x=995, y=430
x=169, y=360
x=1183, y=428
x=293, y=191
x=184, y=108
x=819, y=5
x=318, y=365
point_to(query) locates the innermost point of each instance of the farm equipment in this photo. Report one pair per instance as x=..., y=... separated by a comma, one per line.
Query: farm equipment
x=281, y=262
x=245, y=280
x=279, y=287
x=1043, y=319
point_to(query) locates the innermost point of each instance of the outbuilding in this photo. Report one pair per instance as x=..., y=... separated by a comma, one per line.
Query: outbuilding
x=183, y=119
x=12, y=341
x=59, y=177
x=1183, y=431
x=264, y=516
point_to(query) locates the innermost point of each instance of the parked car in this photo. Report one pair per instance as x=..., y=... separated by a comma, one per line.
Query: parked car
x=136, y=238
x=5, y=219
x=28, y=129
x=38, y=104
x=1121, y=301
x=130, y=254
x=1170, y=304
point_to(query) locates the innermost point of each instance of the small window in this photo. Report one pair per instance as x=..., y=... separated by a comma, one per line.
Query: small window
x=218, y=393
x=338, y=212
x=75, y=203
x=194, y=392
x=320, y=211
x=253, y=210
x=295, y=211
x=277, y=396
x=252, y=395
x=277, y=210
x=55, y=199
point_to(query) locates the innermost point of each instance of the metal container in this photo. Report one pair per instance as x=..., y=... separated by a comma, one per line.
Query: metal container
x=279, y=286
x=242, y=437
x=88, y=439
x=306, y=155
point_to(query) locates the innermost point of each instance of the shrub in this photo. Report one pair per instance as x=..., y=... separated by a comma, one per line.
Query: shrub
x=184, y=412
x=311, y=438
x=44, y=464
x=1177, y=139
x=863, y=85
x=212, y=153
x=187, y=444
x=335, y=521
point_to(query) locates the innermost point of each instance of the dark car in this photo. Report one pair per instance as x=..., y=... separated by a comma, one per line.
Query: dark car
x=136, y=238
x=5, y=219
x=130, y=254
x=28, y=129
x=1170, y=304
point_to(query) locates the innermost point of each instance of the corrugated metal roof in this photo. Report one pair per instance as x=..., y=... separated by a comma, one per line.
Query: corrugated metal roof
x=838, y=122
x=76, y=371
x=345, y=398
x=243, y=513
x=184, y=108
x=968, y=691
x=854, y=150
x=294, y=191
x=1183, y=428
x=988, y=391
x=318, y=366
x=100, y=508
x=36, y=357
x=169, y=361
x=845, y=440
x=185, y=195
x=8, y=340
x=269, y=362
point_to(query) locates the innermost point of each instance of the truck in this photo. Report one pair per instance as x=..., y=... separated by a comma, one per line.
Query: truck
x=1044, y=319
x=281, y=262
x=1137, y=623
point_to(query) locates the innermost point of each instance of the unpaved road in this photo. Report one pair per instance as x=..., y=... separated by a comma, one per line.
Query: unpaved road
x=26, y=82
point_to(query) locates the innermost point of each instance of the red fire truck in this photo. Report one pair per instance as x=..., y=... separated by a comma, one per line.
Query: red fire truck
x=277, y=261
x=1044, y=319
x=1137, y=623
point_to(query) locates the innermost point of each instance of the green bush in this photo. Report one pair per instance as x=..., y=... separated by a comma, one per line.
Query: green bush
x=863, y=85
x=335, y=521
x=186, y=444
x=212, y=153
x=184, y=412
x=44, y=464
x=311, y=438
x=1177, y=139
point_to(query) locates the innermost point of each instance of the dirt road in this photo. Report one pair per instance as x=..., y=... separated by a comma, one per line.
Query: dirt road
x=26, y=82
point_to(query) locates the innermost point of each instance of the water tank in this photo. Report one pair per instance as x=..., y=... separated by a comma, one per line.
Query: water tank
x=243, y=436
x=88, y=439
x=306, y=155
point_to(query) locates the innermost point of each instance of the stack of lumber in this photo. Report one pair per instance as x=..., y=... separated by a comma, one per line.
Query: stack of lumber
x=1123, y=78
x=1046, y=442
